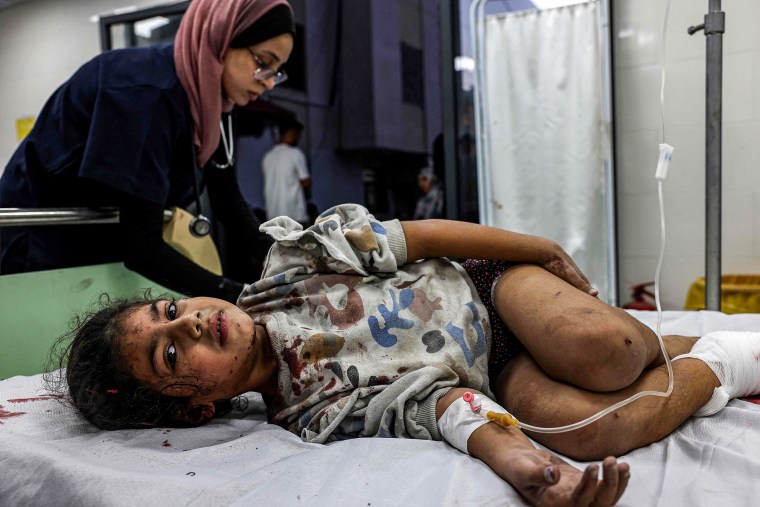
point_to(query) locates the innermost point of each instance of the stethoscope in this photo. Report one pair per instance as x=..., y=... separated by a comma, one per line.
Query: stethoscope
x=200, y=226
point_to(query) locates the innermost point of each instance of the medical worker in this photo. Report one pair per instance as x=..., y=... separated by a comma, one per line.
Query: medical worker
x=136, y=128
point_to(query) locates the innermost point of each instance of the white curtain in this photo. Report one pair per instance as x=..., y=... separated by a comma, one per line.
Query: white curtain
x=545, y=159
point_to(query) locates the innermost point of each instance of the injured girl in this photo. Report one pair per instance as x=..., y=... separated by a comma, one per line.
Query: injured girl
x=361, y=328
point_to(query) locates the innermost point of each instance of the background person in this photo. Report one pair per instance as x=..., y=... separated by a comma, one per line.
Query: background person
x=430, y=204
x=286, y=176
x=129, y=128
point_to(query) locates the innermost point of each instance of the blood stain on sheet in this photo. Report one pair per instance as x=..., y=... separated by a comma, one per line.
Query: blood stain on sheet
x=4, y=414
x=753, y=399
x=166, y=443
x=39, y=398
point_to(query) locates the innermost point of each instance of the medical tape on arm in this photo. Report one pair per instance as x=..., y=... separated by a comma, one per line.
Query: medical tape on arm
x=462, y=418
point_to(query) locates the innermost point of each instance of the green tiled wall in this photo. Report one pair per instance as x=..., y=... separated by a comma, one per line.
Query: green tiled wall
x=36, y=308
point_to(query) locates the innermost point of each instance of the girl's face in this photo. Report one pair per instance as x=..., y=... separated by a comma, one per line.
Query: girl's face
x=240, y=65
x=205, y=339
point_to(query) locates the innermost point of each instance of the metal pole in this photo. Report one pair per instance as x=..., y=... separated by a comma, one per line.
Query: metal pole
x=714, y=28
x=449, y=50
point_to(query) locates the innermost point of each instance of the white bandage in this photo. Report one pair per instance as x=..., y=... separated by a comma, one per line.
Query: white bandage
x=734, y=357
x=459, y=421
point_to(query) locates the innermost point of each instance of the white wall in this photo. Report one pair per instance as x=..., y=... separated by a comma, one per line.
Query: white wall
x=637, y=41
x=42, y=42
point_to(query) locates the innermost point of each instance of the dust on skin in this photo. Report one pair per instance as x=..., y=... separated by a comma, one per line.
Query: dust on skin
x=560, y=321
x=136, y=330
x=556, y=323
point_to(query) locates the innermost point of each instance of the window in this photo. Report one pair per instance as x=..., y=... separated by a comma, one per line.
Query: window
x=412, y=82
x=141, y=28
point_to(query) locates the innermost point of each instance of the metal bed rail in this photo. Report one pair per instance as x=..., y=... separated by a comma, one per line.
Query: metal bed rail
x=15, y=217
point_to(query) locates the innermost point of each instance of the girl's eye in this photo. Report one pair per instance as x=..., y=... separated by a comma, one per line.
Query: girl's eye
x=171, y=355
x=171, y=310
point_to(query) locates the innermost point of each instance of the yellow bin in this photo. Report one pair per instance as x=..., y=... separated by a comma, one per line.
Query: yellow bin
x=739, y=294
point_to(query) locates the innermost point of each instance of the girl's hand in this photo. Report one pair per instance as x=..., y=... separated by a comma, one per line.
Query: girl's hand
x=448, y=238
x=562, y=265
x=540, y=476
x=552, y=482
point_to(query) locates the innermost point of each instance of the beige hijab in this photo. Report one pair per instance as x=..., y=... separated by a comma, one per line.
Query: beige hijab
x=205, y=33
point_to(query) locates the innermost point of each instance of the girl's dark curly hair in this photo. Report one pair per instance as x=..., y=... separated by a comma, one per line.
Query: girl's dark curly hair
x=87, y=364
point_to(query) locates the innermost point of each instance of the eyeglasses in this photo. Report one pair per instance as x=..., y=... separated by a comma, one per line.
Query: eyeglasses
x=264, y=72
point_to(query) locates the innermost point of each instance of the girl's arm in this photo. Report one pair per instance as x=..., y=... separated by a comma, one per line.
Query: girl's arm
x=464, y=240
x=539, y=476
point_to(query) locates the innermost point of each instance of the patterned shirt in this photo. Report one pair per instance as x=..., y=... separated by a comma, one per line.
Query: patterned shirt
x=366, y=343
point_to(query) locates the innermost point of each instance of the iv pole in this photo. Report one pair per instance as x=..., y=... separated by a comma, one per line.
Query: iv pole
x=714, y=27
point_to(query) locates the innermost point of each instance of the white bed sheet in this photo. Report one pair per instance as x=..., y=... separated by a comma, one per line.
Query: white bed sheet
x=50, y=456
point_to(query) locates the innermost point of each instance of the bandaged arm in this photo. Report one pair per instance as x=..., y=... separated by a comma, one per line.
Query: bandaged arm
x=531, y=471
x=491, y=442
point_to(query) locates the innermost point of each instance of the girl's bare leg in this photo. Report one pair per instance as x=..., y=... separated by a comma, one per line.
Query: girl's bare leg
x=573, y=337
x=535, y=398
x=584, y=356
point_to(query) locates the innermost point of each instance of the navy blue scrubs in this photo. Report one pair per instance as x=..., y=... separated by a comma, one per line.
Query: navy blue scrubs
x=118, y=133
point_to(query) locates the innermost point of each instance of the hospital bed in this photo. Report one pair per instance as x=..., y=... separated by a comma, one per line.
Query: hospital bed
x=50, y=456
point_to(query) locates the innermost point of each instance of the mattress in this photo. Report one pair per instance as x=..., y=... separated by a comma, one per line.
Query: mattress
x=51, y=456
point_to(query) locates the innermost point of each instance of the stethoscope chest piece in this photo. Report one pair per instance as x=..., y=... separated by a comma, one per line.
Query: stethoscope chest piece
x=200, y=226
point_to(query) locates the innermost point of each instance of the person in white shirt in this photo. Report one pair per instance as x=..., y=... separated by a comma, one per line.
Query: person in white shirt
x=286, y=176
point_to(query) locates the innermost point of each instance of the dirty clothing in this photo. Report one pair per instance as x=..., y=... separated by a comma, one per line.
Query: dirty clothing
x=366, y=342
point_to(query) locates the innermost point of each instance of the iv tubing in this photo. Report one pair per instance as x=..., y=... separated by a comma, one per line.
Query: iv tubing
x=665, y=394
x=620, y=404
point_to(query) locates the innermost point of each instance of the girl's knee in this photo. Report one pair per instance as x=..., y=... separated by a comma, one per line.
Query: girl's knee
x=610, y=357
